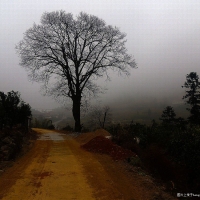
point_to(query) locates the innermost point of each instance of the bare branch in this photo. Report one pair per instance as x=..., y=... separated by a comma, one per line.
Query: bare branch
x=69, y=54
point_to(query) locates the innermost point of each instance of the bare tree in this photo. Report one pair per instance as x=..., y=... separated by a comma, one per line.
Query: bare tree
x=69, y=54
x=100, y=116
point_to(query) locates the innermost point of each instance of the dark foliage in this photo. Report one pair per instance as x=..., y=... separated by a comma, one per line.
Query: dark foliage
x=193, y=97
x=10, y=144
x=185, y=149
x=68, y=128
x=171, y=152
x=13, y=111
x=168, y=115
x=42, y=123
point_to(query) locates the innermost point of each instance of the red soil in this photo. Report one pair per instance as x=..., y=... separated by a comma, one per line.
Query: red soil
x=102, y=145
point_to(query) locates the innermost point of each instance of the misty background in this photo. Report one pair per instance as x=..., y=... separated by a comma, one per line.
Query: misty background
x=163, y=36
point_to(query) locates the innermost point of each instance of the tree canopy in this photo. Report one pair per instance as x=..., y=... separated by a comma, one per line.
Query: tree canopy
x=168, y=115
x=13, y=110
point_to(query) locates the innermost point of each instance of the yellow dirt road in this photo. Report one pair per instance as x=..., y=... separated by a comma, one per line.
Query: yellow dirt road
x=48, y=171
x=56, y=168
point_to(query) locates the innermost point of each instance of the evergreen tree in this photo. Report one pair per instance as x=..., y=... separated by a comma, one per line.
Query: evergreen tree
x=168, y=115
x=193, y=96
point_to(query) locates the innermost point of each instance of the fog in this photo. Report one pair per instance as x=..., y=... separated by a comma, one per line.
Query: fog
x=163, y=36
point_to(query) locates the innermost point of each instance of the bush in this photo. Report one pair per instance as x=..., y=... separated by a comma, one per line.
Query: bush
x=13, y=110
x=185, y=149
x=10, y=144
x=169, y=151
x=51, y=127
x=68, y=128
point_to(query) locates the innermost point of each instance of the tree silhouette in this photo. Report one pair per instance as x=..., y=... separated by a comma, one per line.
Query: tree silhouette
x=69, y=54
x=168, y=115
x=193, y=96
x=100, y=116
x=13, y=110
x=24, y=111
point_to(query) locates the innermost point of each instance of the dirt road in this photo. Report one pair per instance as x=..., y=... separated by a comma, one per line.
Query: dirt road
x=56, y=168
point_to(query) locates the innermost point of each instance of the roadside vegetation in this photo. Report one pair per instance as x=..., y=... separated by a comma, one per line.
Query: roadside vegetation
x=15, y=117
x=42, y=123
x=170, y=150
x=13, y=110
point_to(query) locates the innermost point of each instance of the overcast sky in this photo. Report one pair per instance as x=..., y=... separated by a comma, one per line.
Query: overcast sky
x=162, y=35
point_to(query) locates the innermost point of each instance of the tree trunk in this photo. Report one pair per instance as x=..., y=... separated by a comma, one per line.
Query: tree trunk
x=76, y=113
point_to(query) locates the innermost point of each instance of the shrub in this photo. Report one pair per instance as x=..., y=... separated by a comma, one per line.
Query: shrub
x=185, y=149
x=68, y=128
